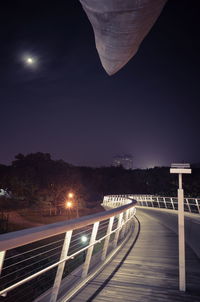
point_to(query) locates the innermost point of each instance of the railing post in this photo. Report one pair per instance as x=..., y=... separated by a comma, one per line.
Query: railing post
x=117, y=232
x=188, y=205
x=61, y=266
x=172, y=203
x=90, y=250
x=123, y=225
x=107, y=239
x=127, y=217
x=165, y=202
x=2, y=257
x=197, y=203
x=130, y=214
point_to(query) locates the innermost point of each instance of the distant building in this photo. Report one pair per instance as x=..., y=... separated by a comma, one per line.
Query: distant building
x=126, y=161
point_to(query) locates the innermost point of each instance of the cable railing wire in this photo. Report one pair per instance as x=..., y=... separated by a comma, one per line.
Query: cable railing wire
x=34, y=263
x=47, y=257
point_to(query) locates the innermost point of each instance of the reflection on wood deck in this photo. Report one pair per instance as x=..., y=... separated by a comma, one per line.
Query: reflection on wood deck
x=149, y=271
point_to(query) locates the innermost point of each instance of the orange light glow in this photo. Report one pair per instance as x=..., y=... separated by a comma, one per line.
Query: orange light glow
x=68, y=204
x=71, y=195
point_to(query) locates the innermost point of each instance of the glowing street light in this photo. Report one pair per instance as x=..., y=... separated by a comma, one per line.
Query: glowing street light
x=68, y=204
x=71, y=195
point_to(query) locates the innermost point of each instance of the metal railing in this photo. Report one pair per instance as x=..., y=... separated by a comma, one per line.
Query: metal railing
x=191, y=205
x=52, y=262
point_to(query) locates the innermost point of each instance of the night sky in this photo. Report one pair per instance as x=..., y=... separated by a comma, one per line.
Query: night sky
x=65, y=104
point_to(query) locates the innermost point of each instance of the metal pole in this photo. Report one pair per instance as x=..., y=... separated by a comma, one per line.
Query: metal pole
x=117, y=232
x=90, y=249
x=125, y=224
x=181, y=233
x=61, y=267
x=165, y=202
x=180, y=181
x=106, y=242
x=172, y=203
x=2, y=257
x=197, y=204
x=188, y=205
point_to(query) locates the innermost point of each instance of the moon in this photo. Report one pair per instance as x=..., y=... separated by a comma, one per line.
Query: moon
x=30, y=61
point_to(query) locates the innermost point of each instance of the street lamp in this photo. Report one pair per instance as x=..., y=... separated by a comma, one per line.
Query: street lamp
x=71, y=196
x=68, y=204
x=181, y=169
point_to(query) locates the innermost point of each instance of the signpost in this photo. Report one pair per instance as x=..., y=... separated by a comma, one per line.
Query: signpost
x=181, y=169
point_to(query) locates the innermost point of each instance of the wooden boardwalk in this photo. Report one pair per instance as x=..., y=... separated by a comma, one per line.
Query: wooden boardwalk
x=148, y=272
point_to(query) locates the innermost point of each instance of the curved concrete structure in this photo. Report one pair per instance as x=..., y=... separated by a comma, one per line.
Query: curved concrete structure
x=119, y=27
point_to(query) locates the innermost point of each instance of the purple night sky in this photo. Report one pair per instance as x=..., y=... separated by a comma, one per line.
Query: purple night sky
x=65, y=104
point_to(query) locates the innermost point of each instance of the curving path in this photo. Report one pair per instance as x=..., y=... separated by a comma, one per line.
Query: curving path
x=20, y=221
x=149, y=270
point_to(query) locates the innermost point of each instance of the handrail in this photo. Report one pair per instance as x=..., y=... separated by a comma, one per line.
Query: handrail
x=14, y=239
x=104, y=230
x=191, y=205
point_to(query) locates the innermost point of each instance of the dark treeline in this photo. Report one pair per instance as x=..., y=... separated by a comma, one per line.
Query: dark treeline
x=36, y=179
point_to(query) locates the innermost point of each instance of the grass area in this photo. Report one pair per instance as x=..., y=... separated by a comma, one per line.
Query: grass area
x=28, y=217
x=38, y=217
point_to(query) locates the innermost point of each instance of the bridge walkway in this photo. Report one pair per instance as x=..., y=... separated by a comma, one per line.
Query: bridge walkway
x=147, y=271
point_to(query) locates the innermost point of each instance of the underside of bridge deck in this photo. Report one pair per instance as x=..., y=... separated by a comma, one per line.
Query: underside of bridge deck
x=147, y=271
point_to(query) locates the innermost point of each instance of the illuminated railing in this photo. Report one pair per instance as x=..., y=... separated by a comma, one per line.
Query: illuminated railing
x=52, y=262
x=191, y=205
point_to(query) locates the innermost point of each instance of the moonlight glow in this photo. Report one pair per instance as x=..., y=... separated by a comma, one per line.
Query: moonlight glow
x=30, y=61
